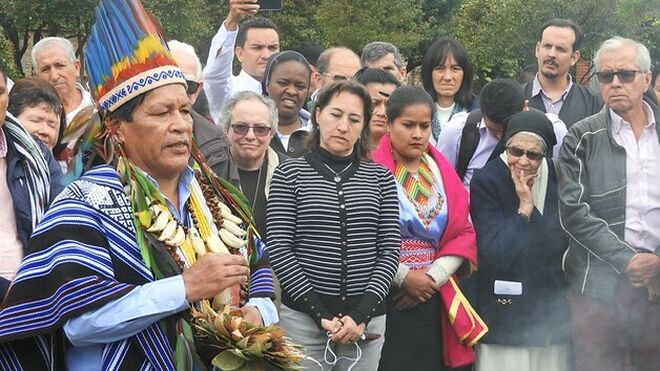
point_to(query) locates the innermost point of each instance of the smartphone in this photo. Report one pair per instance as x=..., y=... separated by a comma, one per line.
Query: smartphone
x=270, y=5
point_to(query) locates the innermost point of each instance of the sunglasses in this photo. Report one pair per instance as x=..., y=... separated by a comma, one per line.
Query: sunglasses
x=606, y=77
x=518, y=152
x=192, y=87
x=242, y=129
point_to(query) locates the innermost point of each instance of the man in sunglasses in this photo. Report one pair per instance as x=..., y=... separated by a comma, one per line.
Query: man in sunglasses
x=210, y=138
x=553, y=89
x=609, y=171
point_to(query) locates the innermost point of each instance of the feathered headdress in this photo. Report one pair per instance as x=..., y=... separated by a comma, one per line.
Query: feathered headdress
x=126, y=55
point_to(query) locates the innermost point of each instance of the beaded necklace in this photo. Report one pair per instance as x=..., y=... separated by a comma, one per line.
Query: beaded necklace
x=420, y=189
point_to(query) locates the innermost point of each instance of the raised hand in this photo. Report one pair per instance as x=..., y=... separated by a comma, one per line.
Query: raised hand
x=239, y=9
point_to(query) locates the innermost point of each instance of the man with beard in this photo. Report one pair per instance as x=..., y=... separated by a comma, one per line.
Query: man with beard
x=553, y=89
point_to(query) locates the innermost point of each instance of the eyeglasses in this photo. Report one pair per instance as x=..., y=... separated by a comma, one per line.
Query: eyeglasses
x=336, y=77
x=192, y=87
x=242, y=129
x=518, y=152
x=606, y=77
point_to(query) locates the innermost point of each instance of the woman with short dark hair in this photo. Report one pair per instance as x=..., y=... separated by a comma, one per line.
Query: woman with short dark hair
x=447, y=76
x=333, y=236
x=39, y=109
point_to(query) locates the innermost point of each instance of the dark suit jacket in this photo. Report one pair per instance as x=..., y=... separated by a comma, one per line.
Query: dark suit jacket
x=212, y=142
x=511, y=249
x=580, y=103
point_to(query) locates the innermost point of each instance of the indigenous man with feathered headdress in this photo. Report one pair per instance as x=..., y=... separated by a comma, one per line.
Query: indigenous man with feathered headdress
x=139, y=237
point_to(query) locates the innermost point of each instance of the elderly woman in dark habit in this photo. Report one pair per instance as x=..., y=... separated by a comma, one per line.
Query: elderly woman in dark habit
x=521, y=289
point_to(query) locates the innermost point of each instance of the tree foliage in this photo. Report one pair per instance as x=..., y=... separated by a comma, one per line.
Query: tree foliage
x=6, y=55
x=500, y=35
x=355, y=23
x=25, y=21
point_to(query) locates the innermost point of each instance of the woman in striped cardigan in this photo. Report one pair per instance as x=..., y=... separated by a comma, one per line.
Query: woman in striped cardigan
x=333, y=235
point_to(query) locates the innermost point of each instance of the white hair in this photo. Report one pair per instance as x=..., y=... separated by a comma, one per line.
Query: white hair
x=228, y=108
x=179, y=48
x=642, y=56
x=50, y=42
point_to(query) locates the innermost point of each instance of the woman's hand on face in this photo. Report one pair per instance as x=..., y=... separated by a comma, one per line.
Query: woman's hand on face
x=404, y=300
x=350, y=332
x=420, y=285
x=523, y=184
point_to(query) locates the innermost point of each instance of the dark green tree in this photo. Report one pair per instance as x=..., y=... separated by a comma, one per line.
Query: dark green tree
x=500, y=35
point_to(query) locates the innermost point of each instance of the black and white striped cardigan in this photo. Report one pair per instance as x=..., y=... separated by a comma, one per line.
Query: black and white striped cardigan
x=334, y=245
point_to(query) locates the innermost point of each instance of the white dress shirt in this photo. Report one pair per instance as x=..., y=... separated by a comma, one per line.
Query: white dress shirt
x=642, y=227
x=219, y=83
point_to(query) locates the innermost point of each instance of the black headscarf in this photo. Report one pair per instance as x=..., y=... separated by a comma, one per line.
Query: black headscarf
x=531, y=121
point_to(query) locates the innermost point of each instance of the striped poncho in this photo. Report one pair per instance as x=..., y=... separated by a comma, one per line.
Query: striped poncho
x=82, y=255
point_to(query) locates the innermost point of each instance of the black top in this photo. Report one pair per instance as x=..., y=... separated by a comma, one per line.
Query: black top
x=255, y=193
x=580, y=103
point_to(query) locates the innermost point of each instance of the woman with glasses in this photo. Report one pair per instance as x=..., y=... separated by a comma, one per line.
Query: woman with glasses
x=447, y=76
x=521, y=293
x=333, y=236
x=250, y=121
x=286, y=81
x=437, y=239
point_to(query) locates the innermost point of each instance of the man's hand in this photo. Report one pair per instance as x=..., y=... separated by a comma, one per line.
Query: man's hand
x=642, y=268
x=349, y=332
x=239, y=9
x=212, y=273
x=420, y=285
x=654, y=290
x=252, y=315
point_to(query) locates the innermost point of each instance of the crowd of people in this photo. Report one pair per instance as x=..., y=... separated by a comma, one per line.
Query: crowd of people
x=383, y=226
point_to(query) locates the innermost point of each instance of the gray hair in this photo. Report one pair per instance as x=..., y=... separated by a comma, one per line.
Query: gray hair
x=642, y=56
x=178, y=48
x=50, y=42
x=323, y=63
x=228, y=108
x=538, y=138
x=376, y=50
